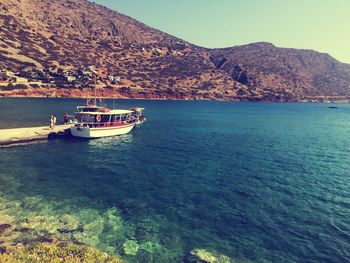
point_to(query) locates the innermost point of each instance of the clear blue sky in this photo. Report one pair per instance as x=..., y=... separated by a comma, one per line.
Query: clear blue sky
x=322, y=25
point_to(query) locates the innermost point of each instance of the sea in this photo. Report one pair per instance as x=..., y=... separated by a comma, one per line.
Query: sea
x=257, y=182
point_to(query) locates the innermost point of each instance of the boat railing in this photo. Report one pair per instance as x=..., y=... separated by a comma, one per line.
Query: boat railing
x=105, y=124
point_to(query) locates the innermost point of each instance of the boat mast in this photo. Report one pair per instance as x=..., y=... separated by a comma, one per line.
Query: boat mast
x=95, y=90
x=87, y=93
x=87, y=97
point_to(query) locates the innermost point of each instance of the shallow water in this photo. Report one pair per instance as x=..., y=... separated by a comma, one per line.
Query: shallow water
x=254, y=181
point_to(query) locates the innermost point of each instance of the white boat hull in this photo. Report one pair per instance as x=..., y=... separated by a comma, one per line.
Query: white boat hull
x=87, y=132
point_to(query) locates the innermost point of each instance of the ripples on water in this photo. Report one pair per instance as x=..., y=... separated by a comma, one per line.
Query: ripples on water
x=254, y=181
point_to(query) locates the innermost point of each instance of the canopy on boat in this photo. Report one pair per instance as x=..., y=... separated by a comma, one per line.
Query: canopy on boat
x=110, y=112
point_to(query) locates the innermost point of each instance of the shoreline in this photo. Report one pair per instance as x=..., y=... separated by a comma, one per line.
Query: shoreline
x=158, y=94
x=342, y=101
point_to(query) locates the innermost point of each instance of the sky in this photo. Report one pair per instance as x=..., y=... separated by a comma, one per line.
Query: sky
x=321, y=25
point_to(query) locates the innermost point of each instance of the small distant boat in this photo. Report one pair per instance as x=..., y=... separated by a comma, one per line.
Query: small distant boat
x=333, y=107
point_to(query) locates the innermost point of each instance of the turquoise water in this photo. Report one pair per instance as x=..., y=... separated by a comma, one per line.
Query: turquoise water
x=254, y=181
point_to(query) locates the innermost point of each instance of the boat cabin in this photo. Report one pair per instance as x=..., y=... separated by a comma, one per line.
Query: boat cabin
x=105, y=118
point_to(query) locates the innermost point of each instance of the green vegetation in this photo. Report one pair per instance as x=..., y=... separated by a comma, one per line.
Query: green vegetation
x=21, y=86
x=67, y=253
x=34, y=86
x=11, y=87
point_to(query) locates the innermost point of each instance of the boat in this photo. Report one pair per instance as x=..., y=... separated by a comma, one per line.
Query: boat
x=97, y=121
x=94, y=121
x=333, y=107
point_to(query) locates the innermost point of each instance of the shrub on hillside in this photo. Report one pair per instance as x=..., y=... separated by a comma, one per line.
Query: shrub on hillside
x=35, y=86
x=9, y=87
x=21, y=86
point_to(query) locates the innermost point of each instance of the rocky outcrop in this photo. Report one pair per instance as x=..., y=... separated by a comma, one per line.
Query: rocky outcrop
x=205, y=256
x=130, y=247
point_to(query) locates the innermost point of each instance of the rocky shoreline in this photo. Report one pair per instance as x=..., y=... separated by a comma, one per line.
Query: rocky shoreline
x=154, y=95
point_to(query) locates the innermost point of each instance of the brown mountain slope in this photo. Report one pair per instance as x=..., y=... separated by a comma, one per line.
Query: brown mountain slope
x=67, y=34
x=283, y=73
x=63, y=35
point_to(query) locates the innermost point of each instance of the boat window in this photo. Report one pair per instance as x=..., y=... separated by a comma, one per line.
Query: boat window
x=116, y=118
x=85, y=118
x=105, y=118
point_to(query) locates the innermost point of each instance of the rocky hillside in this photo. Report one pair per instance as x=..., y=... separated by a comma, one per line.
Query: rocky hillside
x=272, y=73
x=63, y=35
x=66, y=34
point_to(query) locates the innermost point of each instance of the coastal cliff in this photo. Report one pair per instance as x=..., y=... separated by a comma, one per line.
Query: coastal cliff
x=283, y=74
x=49, y=42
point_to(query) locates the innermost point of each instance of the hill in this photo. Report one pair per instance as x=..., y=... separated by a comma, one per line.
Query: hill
x=286, y=74
x=52, y=43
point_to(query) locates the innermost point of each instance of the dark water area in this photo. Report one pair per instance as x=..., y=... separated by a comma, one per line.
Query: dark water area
x=264, y=182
